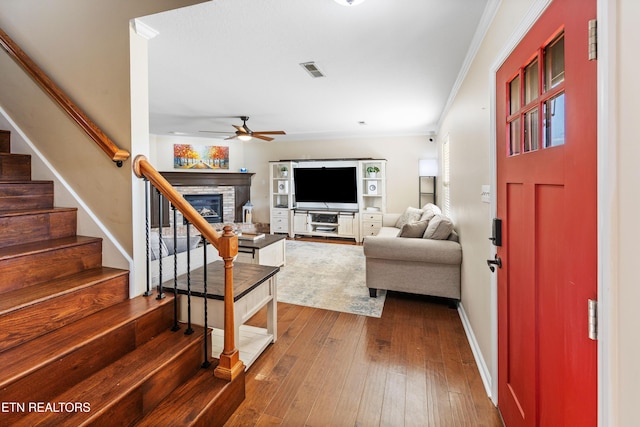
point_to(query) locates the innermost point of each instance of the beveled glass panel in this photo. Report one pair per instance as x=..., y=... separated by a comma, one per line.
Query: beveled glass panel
x=554, y=124
x=514, y=95
x=554, y=63
x=514, y=137
x=531, y=74
x=531, y=135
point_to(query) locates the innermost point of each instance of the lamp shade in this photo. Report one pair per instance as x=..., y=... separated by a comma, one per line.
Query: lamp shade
x=428, y=167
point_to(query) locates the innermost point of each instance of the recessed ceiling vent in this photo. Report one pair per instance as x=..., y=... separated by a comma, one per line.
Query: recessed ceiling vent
x=312, y=69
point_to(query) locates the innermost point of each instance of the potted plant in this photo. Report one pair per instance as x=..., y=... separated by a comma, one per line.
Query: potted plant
x=372, y=171
x=284, y=171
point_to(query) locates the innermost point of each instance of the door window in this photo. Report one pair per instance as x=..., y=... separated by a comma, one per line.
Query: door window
x=528, y=130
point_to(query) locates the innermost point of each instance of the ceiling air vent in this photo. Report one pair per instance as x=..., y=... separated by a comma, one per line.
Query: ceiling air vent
x=312, y=69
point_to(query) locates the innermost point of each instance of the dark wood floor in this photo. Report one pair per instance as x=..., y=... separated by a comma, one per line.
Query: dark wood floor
x=412, y=367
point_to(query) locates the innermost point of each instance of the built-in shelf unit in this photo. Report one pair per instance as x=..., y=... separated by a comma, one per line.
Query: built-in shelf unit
x=351, y=218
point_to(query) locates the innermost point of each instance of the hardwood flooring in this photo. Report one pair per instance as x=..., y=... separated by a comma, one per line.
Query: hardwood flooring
x=411, y=367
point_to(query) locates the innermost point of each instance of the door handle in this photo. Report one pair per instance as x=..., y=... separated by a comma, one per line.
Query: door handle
x=491, y=262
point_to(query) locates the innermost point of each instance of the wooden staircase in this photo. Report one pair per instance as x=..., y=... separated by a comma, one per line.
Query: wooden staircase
x=74, y=349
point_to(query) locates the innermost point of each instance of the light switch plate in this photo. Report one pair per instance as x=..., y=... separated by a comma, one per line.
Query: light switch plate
x=485, y=195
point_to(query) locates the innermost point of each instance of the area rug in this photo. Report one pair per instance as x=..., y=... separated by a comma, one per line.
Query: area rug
x=329, y=276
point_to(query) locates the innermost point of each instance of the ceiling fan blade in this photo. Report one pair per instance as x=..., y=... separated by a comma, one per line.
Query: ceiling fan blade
x=214, y=131
x=231, y=137
x=271, y=132
x=264, y=138
x=241, y=129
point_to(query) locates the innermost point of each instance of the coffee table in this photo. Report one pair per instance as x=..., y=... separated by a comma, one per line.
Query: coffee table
x=267, y=250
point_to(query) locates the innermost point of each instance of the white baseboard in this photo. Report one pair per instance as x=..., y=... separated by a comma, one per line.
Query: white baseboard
x=485, y=373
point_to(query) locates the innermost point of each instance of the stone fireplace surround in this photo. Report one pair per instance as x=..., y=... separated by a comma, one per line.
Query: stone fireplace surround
x=234, y=187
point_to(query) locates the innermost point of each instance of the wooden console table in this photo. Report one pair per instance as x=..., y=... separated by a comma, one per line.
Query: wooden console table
x=254, y=286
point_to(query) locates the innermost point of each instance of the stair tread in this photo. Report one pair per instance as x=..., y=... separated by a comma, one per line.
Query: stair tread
x=107, y=386
x=188, y=401
x=45, y=245
x=35, y=211
x=20, y=298
x=20, y=361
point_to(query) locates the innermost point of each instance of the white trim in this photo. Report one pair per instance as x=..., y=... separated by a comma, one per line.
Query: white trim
x=69, y=189
x=144, y=30
x=607, y=232
x=484, y=370
x=534, y=12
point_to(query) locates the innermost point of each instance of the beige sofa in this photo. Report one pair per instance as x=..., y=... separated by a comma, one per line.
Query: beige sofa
x=427, y=263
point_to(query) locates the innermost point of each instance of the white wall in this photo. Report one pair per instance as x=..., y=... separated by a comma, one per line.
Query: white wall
x=402, y=154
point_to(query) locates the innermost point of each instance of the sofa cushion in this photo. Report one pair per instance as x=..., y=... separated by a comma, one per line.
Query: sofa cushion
x=388, y=232
x=409, y=215
x=413, y=229
x=439, y=228
x=429, y=211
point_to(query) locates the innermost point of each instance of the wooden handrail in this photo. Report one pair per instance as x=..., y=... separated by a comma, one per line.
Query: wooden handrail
x=91, y=129
x=143, y=169
x=230, y=365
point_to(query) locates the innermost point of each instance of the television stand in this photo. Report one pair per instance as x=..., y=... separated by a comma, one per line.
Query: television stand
x=326, y=223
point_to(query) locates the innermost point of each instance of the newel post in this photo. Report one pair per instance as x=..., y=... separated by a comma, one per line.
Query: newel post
x=230, y=365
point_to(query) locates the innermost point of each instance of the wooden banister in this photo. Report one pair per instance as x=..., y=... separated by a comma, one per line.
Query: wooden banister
x=230, y=365
x=91, y=129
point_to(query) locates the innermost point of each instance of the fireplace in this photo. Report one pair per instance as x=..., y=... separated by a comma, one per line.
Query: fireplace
x=207, y=205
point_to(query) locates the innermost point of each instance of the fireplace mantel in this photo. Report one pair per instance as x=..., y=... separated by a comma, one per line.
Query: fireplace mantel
x=240, y=181
x=234, y=179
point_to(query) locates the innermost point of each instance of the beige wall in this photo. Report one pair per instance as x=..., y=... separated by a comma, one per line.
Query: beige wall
x=467, y=124
x=402, y=154
x=84, y=47
x=623, y=197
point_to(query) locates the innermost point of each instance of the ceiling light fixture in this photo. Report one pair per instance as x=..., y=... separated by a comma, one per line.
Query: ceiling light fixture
x=244, y=137
x=348, y=2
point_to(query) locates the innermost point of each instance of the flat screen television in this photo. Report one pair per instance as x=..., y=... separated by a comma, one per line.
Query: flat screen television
x=326, y=185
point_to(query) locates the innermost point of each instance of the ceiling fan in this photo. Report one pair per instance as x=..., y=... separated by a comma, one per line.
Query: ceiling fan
x=243, y=132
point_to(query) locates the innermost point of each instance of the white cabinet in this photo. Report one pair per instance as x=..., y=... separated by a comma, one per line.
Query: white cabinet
x=279, y=221
x=371, y=223
x=281, y=196
x=348, y=225
x=360, y=219
x=325, y=223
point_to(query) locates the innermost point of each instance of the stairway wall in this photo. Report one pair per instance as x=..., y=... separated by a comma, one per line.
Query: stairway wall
x=88, y=222
x=84, y=48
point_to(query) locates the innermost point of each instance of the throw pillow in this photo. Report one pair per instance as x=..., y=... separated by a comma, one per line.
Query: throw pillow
x=413, y=229
x=409, y=215
x=429, y=211
x=439, y=228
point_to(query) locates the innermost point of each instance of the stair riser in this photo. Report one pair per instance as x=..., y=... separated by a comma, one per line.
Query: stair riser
x=30, y=269
x=20, y=196
x=49, y=381
x=15, y=167
x=143, y=399
x=23, y=325
x=5, y=141
x=219, y=411
x=21, y=229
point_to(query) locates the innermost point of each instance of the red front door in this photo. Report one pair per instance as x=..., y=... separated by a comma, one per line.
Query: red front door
x=546, y=166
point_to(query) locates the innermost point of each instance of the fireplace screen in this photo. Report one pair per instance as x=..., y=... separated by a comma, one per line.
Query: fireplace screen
x=207, y=205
